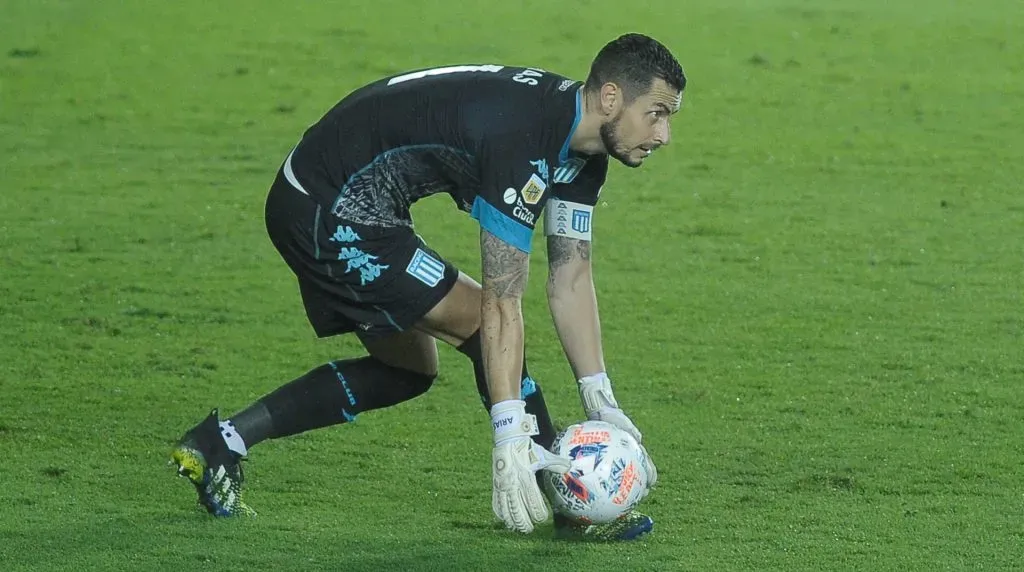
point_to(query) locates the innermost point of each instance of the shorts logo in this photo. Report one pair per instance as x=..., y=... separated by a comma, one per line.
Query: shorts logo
x=356, y=258
x=533, y=190
x=425, y=268
x=566, y=172
x=510, y=196
x=580, y=221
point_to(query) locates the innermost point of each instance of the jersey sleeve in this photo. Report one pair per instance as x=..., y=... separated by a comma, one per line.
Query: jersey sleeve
x=571, y=206
x=514, y=187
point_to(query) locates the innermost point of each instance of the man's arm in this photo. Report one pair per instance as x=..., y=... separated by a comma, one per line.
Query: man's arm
x=573, y=303
x=505, y=272
x=516, y=499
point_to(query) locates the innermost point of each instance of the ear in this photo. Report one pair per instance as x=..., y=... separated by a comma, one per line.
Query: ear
x=611, y=98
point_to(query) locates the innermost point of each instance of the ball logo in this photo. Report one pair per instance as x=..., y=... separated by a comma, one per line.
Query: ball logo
x=626, y=487
x=581, y=437
x=510, y=196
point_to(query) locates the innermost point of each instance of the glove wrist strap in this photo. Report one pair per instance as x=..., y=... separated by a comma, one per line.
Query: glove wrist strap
x=596, y=393
x=510, y=420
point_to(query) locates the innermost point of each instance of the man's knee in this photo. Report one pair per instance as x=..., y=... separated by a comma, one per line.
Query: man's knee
x=410, y=351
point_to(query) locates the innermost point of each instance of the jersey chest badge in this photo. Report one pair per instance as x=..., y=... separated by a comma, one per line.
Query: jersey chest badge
x=567, y=171
x=533, y=190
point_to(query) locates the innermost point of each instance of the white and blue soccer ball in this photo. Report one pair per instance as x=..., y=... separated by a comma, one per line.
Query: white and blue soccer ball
x=607, y=478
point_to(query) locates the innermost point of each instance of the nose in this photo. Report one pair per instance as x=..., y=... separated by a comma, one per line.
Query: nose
x=663, y=133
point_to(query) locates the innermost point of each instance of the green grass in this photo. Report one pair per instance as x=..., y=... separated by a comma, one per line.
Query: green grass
x=812, y=300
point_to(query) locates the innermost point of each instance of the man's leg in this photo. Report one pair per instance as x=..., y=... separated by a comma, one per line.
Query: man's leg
x=399, y=367
x=456, y=320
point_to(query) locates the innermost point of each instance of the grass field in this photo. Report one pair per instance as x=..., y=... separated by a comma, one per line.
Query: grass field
x=812, y=299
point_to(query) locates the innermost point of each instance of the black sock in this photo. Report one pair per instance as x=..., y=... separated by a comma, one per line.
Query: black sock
x=531, y=392
x=331, y=394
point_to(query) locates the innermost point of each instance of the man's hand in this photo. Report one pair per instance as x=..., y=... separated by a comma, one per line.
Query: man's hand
x=600, y=405
x=517, y=499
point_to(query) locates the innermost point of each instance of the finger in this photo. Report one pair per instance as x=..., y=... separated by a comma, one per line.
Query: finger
x=518, y=512
x=548, y=461
x=554, y=463
x=534, y=501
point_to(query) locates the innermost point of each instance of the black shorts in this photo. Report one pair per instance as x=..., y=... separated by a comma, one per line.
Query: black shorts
x=353, y=277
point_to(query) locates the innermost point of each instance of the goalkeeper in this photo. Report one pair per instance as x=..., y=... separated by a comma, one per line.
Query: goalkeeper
x=508, y=145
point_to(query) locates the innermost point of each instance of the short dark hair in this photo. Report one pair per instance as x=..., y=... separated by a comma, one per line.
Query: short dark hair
x=633, y=61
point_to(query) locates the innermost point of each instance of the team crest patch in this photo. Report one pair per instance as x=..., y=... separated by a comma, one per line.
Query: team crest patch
x=567, y=171
x=425, y=268
x=533, y=190
x=581, y=221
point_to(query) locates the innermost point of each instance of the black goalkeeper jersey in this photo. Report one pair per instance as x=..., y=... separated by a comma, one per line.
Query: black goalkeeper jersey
x=495, y=138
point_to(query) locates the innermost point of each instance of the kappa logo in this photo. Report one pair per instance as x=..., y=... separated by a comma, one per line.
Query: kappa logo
x=363, y=262
x=345, y=234
x=542, y=168
x=561, y=220
x=566, y=84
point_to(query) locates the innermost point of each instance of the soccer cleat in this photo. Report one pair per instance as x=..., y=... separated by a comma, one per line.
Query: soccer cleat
x=630, y=526
x=204, y=459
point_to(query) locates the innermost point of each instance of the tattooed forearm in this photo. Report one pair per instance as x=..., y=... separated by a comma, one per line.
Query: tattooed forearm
x=505, y=267
x=583, y=249
x=562, y=250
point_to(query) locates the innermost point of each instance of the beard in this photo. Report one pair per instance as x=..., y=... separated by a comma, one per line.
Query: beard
x=610, y=139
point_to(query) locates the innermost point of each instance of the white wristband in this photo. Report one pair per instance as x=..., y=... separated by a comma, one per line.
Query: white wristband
x=509, y=420
x=596, y=392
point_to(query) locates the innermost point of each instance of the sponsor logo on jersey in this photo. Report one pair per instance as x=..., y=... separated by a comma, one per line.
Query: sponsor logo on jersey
x=522, y=213
x=567, y=171
x=533, y=190
x=357, y=259
x=566, y=84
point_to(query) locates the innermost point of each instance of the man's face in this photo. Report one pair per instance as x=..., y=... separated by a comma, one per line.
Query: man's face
x=639, y=128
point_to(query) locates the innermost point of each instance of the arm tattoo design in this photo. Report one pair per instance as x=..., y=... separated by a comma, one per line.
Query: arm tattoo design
x=562, y=250
x=505, y=267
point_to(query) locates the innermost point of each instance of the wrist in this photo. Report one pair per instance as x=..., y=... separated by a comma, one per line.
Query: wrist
x=509, y=420
x=596, y=393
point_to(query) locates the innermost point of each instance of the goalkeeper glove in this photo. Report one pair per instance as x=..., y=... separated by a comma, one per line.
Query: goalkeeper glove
x=600, y=405
x=516, y=498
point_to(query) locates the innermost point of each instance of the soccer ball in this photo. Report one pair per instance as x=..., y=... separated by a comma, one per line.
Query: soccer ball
x=607, y=478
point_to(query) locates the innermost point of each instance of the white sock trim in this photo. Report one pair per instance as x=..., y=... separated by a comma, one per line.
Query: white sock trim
x=232, y=438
